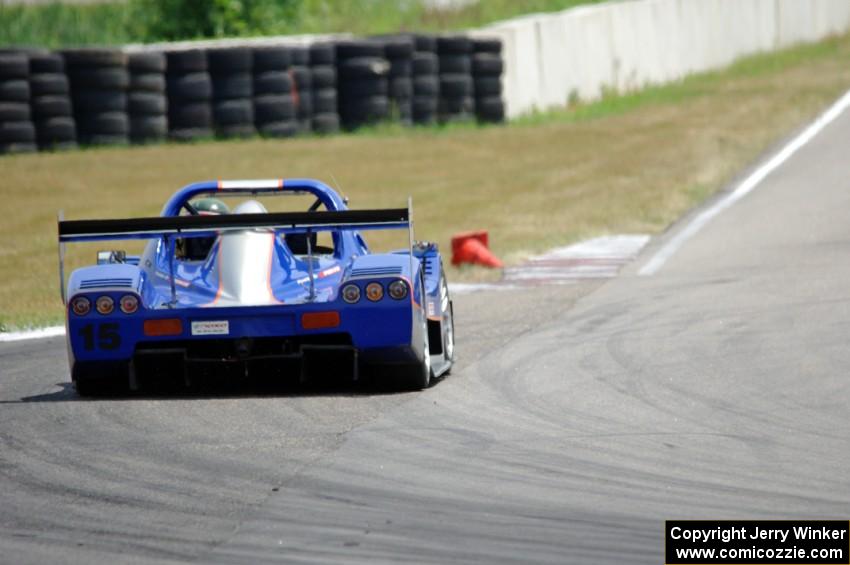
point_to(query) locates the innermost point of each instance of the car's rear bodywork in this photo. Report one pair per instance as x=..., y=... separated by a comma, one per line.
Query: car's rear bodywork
x=261, y=301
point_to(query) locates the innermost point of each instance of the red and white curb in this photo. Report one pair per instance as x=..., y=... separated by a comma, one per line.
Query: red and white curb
x=598, y=258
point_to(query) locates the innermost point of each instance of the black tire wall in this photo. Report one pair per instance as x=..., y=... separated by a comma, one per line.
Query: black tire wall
x=147, y=103
x=189, y=94
x=99, y=80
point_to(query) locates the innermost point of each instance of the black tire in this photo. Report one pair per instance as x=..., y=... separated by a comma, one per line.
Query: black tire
x=148, y=128
x=324, y=124
x=230, y=60
x=400, y=88
x=455, y=64
x=300, y=56
x=459, y=44
x=401, y=68
x=241, y=131
x=324, y=76
x=366, y=109
x=146, y=62
x=302, y=78
x=424, y=118
x=237, y=85
x=349, y=49
x=147, y=82
x=90, y=58
x=46, y=63
x=195, y=115
x=325, y=101
x=45, y=84
x=417, y=376
x=488, y=86
x=305, y=125
x=304, y=104
x=399, y=47
x=105, y=123
x=190, y=87
x=14, y=90
x=424, y=64
x=288, y=128
x=45, y=107
x=362, y=87
x=14, y=65
x=426, y=85
x=86, y=101
x=185, y=62
x=14, y=112
x=56, y=130
x=490, y=109
x=460, y=105
x=447, y=325
x=146, y=104
x=272, y=82
x=189, y=134
x=363, y=67
x=233, y=112
x=425, y=43
x=487, y=64
x=273, y=108
x=103, y=139
x=110, y=78
x=455, y=86
x=424, y=105
x=322, y=54
x=271, y=59
x=487, y=45
x=17, y=132
x=18, y=147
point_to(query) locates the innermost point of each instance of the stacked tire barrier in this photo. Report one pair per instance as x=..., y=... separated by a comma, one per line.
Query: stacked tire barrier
x=456, y=87
x=274, y=104
x=231, y=71
x=99, y=81
x=17, y=133
x=302, y=88
x=95, y=96
x=325, y=118
x=50, y=102
x=425, y=69
x=147, y=104
x=189, y=90
x=362, y=83
x=399, y=52
x=487, y=68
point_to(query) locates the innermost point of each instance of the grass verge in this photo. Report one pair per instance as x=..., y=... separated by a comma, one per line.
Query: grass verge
x=626, y=164
x=58, y=24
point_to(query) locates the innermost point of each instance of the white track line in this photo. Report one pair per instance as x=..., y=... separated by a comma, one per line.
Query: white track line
x=745, y=187
x=32, y=334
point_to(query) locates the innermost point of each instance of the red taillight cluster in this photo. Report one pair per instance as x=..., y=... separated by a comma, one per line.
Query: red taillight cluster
x=104, y=305
x=397, y=290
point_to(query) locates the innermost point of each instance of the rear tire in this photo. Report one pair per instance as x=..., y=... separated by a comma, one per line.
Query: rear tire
x=418, y=375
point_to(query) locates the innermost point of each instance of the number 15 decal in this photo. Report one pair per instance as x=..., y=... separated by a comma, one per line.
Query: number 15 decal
x=106, y=337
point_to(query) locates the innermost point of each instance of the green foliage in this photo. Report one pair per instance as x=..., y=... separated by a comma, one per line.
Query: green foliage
x=133, y=21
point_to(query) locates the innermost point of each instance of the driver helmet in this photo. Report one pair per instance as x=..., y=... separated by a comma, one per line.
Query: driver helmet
x=210, y=207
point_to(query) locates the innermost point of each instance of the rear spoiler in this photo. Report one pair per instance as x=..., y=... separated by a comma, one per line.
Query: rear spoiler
x=174, y=227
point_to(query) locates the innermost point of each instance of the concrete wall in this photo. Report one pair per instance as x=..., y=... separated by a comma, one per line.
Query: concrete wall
x=579, y=52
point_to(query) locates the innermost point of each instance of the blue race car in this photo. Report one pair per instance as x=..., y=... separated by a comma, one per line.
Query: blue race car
x=254, y=294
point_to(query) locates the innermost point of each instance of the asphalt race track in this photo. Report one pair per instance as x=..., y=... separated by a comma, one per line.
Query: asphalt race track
x=577, y=420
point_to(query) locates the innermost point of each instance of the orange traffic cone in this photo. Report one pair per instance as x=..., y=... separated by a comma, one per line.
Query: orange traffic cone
x=471, y=247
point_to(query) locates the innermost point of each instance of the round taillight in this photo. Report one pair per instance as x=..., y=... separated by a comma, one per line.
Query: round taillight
x=129, y=304
x=104, y=305
x=374, y=291
x=351, y=293
x=397, y=289
x=81, y=305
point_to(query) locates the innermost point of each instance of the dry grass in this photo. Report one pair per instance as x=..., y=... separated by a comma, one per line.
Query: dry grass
x=628, y=164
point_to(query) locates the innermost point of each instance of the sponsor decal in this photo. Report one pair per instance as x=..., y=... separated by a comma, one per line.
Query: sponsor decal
x=211, y=327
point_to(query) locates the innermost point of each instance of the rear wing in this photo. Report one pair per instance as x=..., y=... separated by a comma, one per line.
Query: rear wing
x=174, y=227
